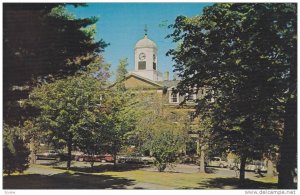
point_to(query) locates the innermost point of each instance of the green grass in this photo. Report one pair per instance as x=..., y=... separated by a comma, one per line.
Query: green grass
x=174, y=180
x=46, y=177
x=267, y=179
x=193, y=180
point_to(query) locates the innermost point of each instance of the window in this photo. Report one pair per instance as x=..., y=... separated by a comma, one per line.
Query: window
x=191, y=97
x=154, y=66
x=211, y=93
x=202, y=91
x=142, y=65
x=173, y=97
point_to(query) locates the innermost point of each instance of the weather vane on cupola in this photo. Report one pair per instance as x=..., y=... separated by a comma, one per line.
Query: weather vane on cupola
x=146, y=30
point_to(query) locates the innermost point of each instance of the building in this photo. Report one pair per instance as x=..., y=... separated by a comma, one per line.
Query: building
x=147, y=77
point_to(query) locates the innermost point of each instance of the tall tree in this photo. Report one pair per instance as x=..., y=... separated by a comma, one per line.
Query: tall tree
x=119, y=105
x=69, y=107
x=246, y=55
x=90, y=138
x=122, y=69
x=159, y=130
x=41, y=41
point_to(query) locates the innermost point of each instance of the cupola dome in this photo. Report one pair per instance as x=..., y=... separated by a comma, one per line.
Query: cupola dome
x=145, y=43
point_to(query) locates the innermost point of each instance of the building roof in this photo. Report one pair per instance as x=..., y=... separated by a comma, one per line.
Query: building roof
x=144, y=79
x=145, y=43
x=168, y=83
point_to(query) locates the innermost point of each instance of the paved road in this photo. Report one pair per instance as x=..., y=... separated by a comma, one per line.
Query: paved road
x=179, y=168
x=190, y=168
x=88, y=180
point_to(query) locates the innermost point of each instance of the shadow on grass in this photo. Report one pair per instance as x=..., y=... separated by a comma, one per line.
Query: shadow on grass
x=105, y=167
x=65, y=181
x=50, y=163
x=233, y=183
x=210, y=170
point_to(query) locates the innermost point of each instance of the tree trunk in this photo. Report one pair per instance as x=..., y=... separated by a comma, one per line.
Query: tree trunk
x=202, y=160
x=288, y=148
x=69, y=145
x=115, y=160
x=242, y=169
x=32, y=152
x=115, y=155
x=92, y=164
x=270, y=168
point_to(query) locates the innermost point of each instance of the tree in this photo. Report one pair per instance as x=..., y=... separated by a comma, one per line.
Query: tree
x=69, y=107
x=119, y=105
x=15, y=151
x=206, y=138
x=34, y=137
x=164, y=143
x=246, y=55
x=159, y=130
x=41, y=41
x=122, y=69
x=90, y=138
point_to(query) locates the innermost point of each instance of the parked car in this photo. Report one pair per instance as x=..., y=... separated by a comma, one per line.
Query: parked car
x=189, y=159
x=95, y=158
x=216, y=162
x=50, y=154
x=136, y=158
x=256, y=166
x=108, y=158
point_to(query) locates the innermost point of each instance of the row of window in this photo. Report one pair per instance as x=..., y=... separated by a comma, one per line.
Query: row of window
x=174, y=97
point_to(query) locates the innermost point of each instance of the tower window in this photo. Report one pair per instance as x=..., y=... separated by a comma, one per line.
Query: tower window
x=142, y=65
x=154, y=66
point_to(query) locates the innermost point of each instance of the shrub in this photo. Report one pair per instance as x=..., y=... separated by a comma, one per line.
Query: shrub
x=15, y=152
x=164, y=145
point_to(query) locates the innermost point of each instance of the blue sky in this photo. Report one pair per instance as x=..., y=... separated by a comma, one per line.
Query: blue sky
x=122, y=25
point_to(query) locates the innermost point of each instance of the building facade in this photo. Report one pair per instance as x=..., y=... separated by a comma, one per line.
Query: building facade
x=146, y=76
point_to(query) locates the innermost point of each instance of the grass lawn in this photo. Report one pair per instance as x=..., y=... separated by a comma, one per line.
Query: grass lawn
x=193, y=180
x=47, y=177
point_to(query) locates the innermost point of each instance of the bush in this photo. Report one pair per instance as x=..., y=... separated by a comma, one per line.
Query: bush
x=15, y=152
x=164, y=145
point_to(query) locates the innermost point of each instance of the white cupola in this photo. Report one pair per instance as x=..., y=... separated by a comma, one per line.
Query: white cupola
x=145, y=58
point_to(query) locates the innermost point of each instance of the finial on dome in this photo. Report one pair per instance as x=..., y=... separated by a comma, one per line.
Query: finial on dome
x=146, y=30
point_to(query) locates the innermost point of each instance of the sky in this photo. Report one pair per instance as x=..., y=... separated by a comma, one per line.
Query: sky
x=122, y=25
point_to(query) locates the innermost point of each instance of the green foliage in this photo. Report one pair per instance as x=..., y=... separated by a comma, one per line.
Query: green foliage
x=246, y=55
x=158, y=130
x=48, y=41
x=61, y=12
x=122, y=69
x=119, y=106
x=69, y=110
x=15, y=151
x=164, y=145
